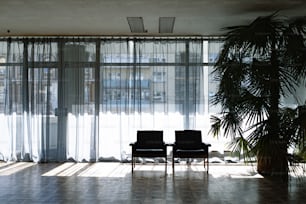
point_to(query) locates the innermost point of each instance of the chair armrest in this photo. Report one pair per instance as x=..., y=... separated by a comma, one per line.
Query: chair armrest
x=191, y=147
x=206, y=144
x=136, y=145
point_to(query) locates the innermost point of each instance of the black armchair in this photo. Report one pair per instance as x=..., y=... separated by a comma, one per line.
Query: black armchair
x=188, y=144
x=149, y=144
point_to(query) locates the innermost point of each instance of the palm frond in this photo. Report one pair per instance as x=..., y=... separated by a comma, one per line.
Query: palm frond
x=215, y=126
x=256, y=36
x=241, y=145
x=231, y=124
x=288, y=80
x=295, y=46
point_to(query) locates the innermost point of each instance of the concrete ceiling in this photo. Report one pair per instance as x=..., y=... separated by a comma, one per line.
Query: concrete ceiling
x=108, y=17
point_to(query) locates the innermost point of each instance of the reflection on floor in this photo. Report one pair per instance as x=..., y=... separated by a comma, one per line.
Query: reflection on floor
x=114, y=183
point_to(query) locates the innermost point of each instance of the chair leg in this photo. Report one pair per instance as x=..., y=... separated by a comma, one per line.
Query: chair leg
x=207, y=164
x=172, y=164
x=133, y=160
x=204, y=159
x=166, y=165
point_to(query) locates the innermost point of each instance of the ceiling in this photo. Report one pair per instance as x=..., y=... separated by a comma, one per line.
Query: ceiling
x=109, y=17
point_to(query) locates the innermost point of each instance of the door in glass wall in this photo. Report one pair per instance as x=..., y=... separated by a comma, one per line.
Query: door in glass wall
x=77, y=102
x=43, y=104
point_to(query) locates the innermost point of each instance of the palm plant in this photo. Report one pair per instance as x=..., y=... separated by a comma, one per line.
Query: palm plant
x=260, y=64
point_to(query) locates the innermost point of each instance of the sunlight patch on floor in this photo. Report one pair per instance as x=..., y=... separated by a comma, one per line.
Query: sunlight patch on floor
x=105, y=170
x=14, y=168
x=256, y=176
x=234, y=171
x=67, y=169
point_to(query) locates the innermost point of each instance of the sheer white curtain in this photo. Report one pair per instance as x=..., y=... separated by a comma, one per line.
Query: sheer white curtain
x=27, y=96
x=12, y=116
x=83, y=99
x=148, y=84
x=40, y=98
x=78, y=98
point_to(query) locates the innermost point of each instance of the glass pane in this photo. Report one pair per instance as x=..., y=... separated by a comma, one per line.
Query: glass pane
x=79, y=52
x=214, y=48
x=15, y=52
x=159, y=51
x=43, y=51
x=212, y=90
x=117, y=51
x=43, y=102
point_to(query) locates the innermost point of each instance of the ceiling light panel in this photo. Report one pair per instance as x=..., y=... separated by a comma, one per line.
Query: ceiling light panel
x=136, y=24
x=166, y=24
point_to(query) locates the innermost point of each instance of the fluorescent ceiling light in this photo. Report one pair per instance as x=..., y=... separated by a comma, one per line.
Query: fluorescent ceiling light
x=136, y=24
x=166, y=24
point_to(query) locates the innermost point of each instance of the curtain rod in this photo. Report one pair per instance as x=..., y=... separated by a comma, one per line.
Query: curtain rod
x=151, y=37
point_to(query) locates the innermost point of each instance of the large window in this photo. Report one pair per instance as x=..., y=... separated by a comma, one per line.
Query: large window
x=83, y=99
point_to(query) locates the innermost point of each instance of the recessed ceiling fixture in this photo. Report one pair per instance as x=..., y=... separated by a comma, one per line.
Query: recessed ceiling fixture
x=136, y=24
x=166, y=24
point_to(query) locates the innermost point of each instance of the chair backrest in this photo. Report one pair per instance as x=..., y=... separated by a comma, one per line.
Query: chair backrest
x=188, y=139
x=150, y=138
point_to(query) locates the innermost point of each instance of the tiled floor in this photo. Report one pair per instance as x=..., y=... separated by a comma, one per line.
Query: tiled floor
x=113, y=183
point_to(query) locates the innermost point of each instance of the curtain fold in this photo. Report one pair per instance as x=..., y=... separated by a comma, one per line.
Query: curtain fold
x=12, y=122
x=40, y=92
x=83, y=99
x=78, y=98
